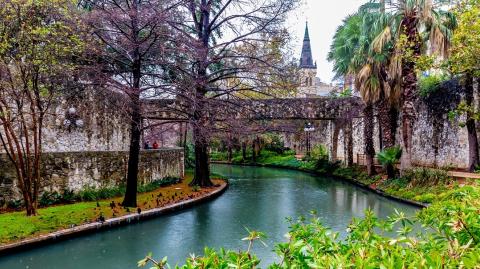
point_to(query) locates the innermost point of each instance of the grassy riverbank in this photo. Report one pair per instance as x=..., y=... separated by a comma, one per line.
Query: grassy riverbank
x=419, y=185
x=16, y=226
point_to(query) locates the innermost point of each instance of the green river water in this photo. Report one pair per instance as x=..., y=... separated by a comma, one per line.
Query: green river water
x=257, y=199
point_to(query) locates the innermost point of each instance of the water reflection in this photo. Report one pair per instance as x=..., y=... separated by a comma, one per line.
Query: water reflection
x=258, y=198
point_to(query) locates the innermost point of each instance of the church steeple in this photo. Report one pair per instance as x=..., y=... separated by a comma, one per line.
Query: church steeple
x=306, y=60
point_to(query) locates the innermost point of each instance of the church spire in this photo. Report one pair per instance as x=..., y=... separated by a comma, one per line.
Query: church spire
x=306, y=37
x=306, y=60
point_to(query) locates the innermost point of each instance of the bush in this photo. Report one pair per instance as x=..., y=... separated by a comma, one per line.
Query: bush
x=53, y=198
x=68, y=197
x=219, y=156
x=425, y=177
x=89, y=194
x=49, y=198
x=429, y=84
x=323, y=165
x=274, y=143
x=388, y=158
x=158, y=183
x=319, y=152
x=15, y=204
x=189, y=156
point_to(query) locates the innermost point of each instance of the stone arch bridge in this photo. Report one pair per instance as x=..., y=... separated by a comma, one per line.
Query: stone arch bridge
x=322, y=108
x=335, y=118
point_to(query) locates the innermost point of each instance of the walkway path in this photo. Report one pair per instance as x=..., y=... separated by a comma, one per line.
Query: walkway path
x=457, y=174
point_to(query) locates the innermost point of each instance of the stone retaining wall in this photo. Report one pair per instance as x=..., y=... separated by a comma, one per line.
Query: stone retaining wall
x=77, y=170
x=437, y=141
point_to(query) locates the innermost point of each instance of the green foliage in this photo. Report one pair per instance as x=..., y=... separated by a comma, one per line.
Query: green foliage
x=450, y=239
x=273, y=142
x=348, y=92
x=15, y=204
x=389, y=156
x=431, y=83
x=196, y=188
x=189, y=156
x=319, y=152
x=465, y=49
x=463, y=109
x=426, y=177
x=89, y=194
x=218, y=156
x=420, y=184
x=321, y=161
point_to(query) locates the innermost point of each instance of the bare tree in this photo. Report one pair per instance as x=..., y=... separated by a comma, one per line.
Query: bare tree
x=133, y=38
x=221, y=60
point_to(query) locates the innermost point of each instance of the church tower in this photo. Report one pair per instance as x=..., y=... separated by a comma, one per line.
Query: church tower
x=308, y=70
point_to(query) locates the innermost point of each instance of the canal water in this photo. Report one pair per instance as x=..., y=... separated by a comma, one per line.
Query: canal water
x=258, y=199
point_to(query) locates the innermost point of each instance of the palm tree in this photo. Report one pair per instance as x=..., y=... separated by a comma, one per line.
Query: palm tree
x=352, y=56
x=415, y=27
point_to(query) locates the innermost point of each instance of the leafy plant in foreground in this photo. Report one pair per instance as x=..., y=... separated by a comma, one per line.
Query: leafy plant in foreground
x=450, y=239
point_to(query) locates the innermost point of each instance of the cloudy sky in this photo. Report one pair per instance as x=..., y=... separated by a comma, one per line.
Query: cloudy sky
x=323, y=17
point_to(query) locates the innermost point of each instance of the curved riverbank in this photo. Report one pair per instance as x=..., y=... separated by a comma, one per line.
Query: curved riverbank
x=257, y=198
x=351, y=181
x=110, y=223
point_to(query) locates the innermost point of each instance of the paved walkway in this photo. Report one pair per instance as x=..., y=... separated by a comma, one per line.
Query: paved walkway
x=463, y=175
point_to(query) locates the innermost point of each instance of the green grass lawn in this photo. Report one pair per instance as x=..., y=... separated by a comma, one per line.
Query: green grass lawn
x=16, y=225
x=424, y=191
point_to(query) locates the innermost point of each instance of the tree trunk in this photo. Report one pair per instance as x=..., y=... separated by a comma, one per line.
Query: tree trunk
x=200, y=117
x=368, y=127
x=388, y=124
x=230, y=149
x=390, y=171
x=254, y=152
x=130, y=199
x=244, y=151
x=409, y=94
x=258, y=146
x=202, y=167
x=471, y=126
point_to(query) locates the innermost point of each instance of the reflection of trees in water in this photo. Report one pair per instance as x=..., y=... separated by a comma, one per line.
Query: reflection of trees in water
x=345, y=200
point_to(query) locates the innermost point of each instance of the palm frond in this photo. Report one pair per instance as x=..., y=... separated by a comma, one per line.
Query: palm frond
x=382, y=39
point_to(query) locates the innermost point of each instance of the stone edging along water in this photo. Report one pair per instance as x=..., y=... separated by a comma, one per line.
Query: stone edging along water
x=351, y=181
x=109, y=223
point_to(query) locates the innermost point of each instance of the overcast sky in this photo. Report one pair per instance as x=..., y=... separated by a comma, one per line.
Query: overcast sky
x=323, y=17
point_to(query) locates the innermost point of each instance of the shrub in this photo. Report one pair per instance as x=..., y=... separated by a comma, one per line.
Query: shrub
x=189, y=156
x=429, y=84
x=319, y=152
x=157, y=184
x=49, y=198
x=219, y=156
x=388, y=158
x=15, y=204
x=425, y=177
x=274, y=143
x=68, y=197
x=323, y=165
x=88, y=194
